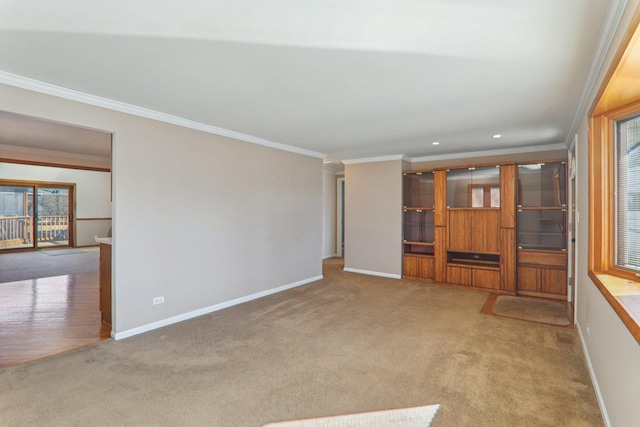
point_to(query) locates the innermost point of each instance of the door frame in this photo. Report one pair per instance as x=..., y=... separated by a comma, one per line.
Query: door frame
x=339, y=216
x=572, y=265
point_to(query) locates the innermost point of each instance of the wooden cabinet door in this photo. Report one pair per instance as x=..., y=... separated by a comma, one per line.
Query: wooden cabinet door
x=553, y=281
x=486, y=279
x=410, y=266
x=528, y=279
x=459, y=231
x=485, y=231
x=426, y=267
x=459, y=275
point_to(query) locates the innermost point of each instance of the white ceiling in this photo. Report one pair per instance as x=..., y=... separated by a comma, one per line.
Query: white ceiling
x=352, y=79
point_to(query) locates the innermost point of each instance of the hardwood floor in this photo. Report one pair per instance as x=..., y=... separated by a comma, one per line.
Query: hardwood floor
x=41, y=317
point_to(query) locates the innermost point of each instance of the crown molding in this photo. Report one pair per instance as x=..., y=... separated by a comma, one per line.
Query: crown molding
x=376, y=159
x=73, y=95
x=532, y=149
x=613, y=19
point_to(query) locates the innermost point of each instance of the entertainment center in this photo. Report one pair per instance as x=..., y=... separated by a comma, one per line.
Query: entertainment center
x=498, y=227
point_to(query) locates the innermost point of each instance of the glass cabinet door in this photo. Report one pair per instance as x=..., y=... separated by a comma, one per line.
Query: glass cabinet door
x=473, y=187
x=543, y=229
x=542, y=184
x=418, y=190
x=418, y=226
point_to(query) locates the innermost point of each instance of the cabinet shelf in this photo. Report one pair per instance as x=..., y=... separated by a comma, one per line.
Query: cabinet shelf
x=542, y=208
x=418, y=248
x=474, y=259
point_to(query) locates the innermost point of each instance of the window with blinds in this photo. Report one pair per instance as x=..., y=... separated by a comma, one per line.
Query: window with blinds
x=628, y=193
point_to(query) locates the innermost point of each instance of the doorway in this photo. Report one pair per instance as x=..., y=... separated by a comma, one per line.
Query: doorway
x=340, y=218
x=36, y=215
x=573, y=219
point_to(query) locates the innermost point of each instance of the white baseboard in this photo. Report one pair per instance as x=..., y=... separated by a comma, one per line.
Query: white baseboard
x=594, y=380
x=373, y=273
x=330, y=256
x=207, y=310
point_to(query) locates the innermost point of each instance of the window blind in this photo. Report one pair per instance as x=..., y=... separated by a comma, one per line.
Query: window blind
x=628, y=193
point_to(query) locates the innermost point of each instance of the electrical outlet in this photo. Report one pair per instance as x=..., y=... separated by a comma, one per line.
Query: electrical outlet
x=158, y=300
x=588, y=331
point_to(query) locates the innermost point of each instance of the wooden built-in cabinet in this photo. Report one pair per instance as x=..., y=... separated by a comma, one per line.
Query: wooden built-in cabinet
x=542, y=230
x=497, y=227
x=419, y=225
x=105, y=282
x=474, y=230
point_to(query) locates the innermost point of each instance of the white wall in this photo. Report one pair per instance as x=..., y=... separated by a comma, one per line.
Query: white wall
x=203, y=220
x=611, y=350
x=328, y=214
x=93, y=193
x=373, y=218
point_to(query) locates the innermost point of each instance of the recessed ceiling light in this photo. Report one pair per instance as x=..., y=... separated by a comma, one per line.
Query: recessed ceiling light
x=435, y=143
x=497, y=136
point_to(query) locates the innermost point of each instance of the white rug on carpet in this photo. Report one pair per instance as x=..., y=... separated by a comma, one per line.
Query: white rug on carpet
x=407, y=417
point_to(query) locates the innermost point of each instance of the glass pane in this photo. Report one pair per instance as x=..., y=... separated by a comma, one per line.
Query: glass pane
x=53, y=217
x=495, y=197
x=628, y=198
x=418, y=226
x=542, y=185
x=418, y=190
x=477, y=197
x=458, y=181
x=465, y=186
x=542, y=229
x=16, y=217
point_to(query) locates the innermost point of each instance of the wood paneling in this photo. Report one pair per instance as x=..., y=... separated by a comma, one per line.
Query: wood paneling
x=508, y=259
x=440, y=262
x=440, y=211
x=508, y=196
x=623, y=86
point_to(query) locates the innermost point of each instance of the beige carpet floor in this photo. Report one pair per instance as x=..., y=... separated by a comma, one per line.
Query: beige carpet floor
x=346, y=344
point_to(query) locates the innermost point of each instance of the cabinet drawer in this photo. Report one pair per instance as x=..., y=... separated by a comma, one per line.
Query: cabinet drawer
x=543, y=259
